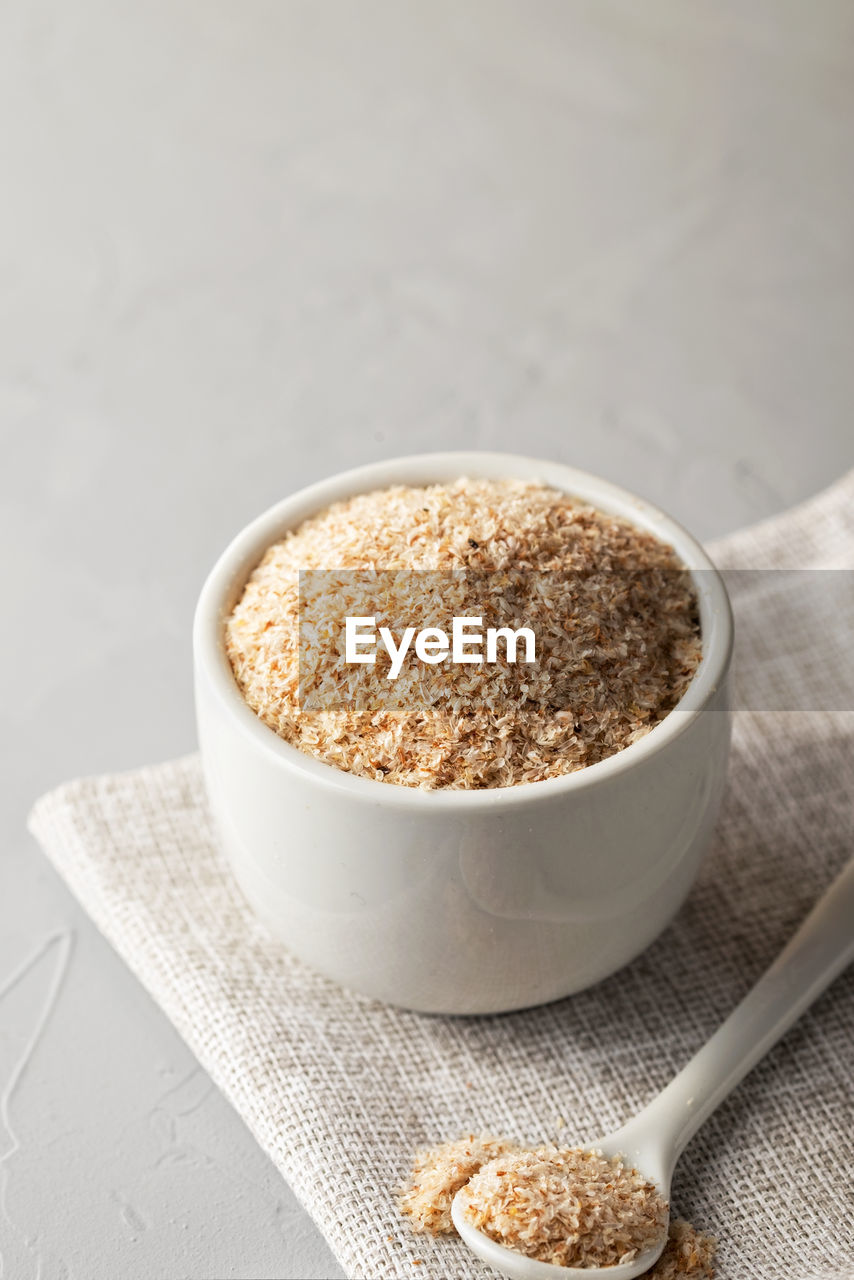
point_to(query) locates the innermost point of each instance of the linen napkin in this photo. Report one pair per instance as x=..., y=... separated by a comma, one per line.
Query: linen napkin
x=340, y=1090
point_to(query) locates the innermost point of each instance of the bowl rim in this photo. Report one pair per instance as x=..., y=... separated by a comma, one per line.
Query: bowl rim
x=230, y=572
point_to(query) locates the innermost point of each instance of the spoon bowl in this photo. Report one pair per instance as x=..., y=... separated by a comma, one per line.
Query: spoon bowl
x=520, y=1267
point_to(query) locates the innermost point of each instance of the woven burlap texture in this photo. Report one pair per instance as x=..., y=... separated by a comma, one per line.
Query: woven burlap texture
x=340, y=1090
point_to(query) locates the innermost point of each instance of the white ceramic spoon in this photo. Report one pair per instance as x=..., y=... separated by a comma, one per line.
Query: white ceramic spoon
x=653, y=1141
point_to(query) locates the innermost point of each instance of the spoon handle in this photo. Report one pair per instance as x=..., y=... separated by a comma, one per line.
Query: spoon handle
x=819, y=951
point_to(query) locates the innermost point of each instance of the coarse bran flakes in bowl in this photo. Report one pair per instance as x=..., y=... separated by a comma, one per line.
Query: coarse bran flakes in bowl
x=483, y=881
x=613, y=612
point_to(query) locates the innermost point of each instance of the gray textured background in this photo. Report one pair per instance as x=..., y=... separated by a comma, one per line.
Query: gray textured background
x=243, y=245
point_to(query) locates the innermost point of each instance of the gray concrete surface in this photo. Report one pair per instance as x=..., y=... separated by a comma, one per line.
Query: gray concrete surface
x=244, y=245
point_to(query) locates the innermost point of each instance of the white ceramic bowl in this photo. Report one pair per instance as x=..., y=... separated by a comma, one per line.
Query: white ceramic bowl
x=464, y=901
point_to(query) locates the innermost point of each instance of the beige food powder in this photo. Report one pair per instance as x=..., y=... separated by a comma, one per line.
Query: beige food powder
x=566, y=1205
x=613, y=610
x=438, y=1173
x=561, y=1205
